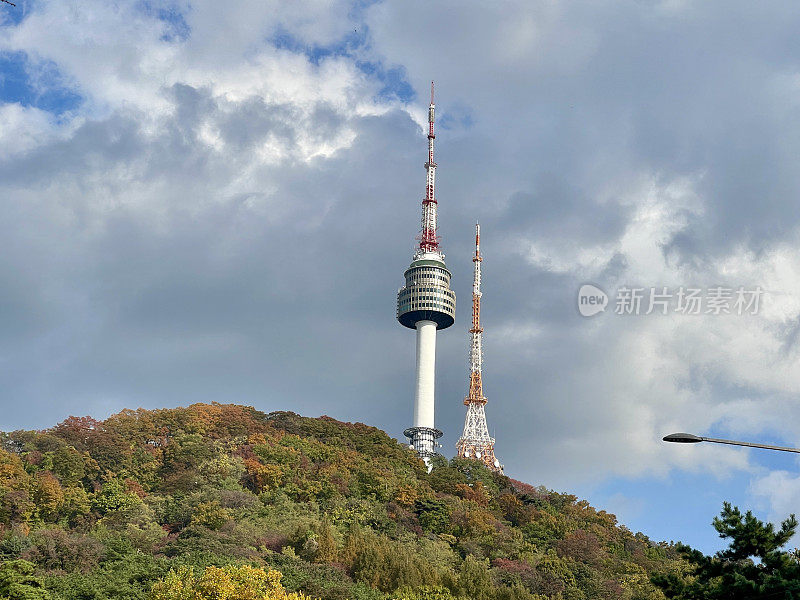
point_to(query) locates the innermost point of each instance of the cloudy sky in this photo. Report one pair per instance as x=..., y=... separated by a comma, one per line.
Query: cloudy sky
x=216, y=202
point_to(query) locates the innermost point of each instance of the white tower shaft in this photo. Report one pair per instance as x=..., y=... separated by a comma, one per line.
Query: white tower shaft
x=426, y=375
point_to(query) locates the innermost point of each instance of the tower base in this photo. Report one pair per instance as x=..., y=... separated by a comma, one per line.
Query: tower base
x=481, y=452
x=423, y=442
x=476, y=443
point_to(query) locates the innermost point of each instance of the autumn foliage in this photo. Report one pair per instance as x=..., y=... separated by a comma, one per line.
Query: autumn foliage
x=226, y=583
x=224, y=501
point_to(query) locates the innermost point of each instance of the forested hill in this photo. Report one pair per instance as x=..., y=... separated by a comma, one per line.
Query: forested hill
x=104, y=509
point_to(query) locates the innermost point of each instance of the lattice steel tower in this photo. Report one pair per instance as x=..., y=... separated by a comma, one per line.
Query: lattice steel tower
x=426, y=303
x=475, y=442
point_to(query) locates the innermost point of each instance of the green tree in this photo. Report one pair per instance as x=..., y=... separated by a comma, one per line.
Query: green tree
x=17, y=582
x=68, y=465
x=434, y=515
x=753, y=566
x=474, y=580
x=326, y=543
x=366, y=556
x=113, y=497
x=211, y=515
x=425, y=592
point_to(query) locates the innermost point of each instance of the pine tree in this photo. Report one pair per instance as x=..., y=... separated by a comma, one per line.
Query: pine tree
x=752, y=568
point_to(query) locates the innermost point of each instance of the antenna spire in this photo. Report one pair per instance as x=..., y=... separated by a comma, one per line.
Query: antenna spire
x=428, y=239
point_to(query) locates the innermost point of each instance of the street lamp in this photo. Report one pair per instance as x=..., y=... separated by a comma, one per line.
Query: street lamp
x=689, y=438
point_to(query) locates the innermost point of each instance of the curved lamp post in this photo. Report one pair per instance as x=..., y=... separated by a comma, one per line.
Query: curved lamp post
x=689, y=438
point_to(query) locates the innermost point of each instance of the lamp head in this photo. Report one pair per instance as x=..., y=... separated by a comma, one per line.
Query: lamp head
x=683, y=438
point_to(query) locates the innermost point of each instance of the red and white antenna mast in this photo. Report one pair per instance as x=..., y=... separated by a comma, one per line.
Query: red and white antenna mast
x=476, y=443
x=429, y=241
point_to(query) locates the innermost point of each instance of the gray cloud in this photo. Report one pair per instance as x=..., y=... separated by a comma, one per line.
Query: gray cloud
x=237, y=228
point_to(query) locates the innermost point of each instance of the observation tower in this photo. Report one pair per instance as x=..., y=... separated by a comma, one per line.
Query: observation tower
x=426, y=303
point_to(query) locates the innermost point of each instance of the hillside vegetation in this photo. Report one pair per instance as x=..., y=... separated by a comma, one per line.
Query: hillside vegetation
x=106, y=509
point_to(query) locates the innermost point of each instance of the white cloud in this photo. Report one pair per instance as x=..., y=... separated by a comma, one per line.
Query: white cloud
x=23, y=128
x=779, y=491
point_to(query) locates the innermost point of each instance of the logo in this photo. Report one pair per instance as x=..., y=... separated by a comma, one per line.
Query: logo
x=591, y=300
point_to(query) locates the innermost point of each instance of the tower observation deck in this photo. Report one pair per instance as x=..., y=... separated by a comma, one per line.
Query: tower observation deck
x=426, y=303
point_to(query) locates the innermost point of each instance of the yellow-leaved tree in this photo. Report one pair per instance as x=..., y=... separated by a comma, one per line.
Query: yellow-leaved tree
x=226, y=583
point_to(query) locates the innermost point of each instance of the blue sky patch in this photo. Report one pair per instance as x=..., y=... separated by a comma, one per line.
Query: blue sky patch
x=346, y=46
x=457, y=117
x=394, y=80
x=13, y=15
x=40, y=86
x=176, y=28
